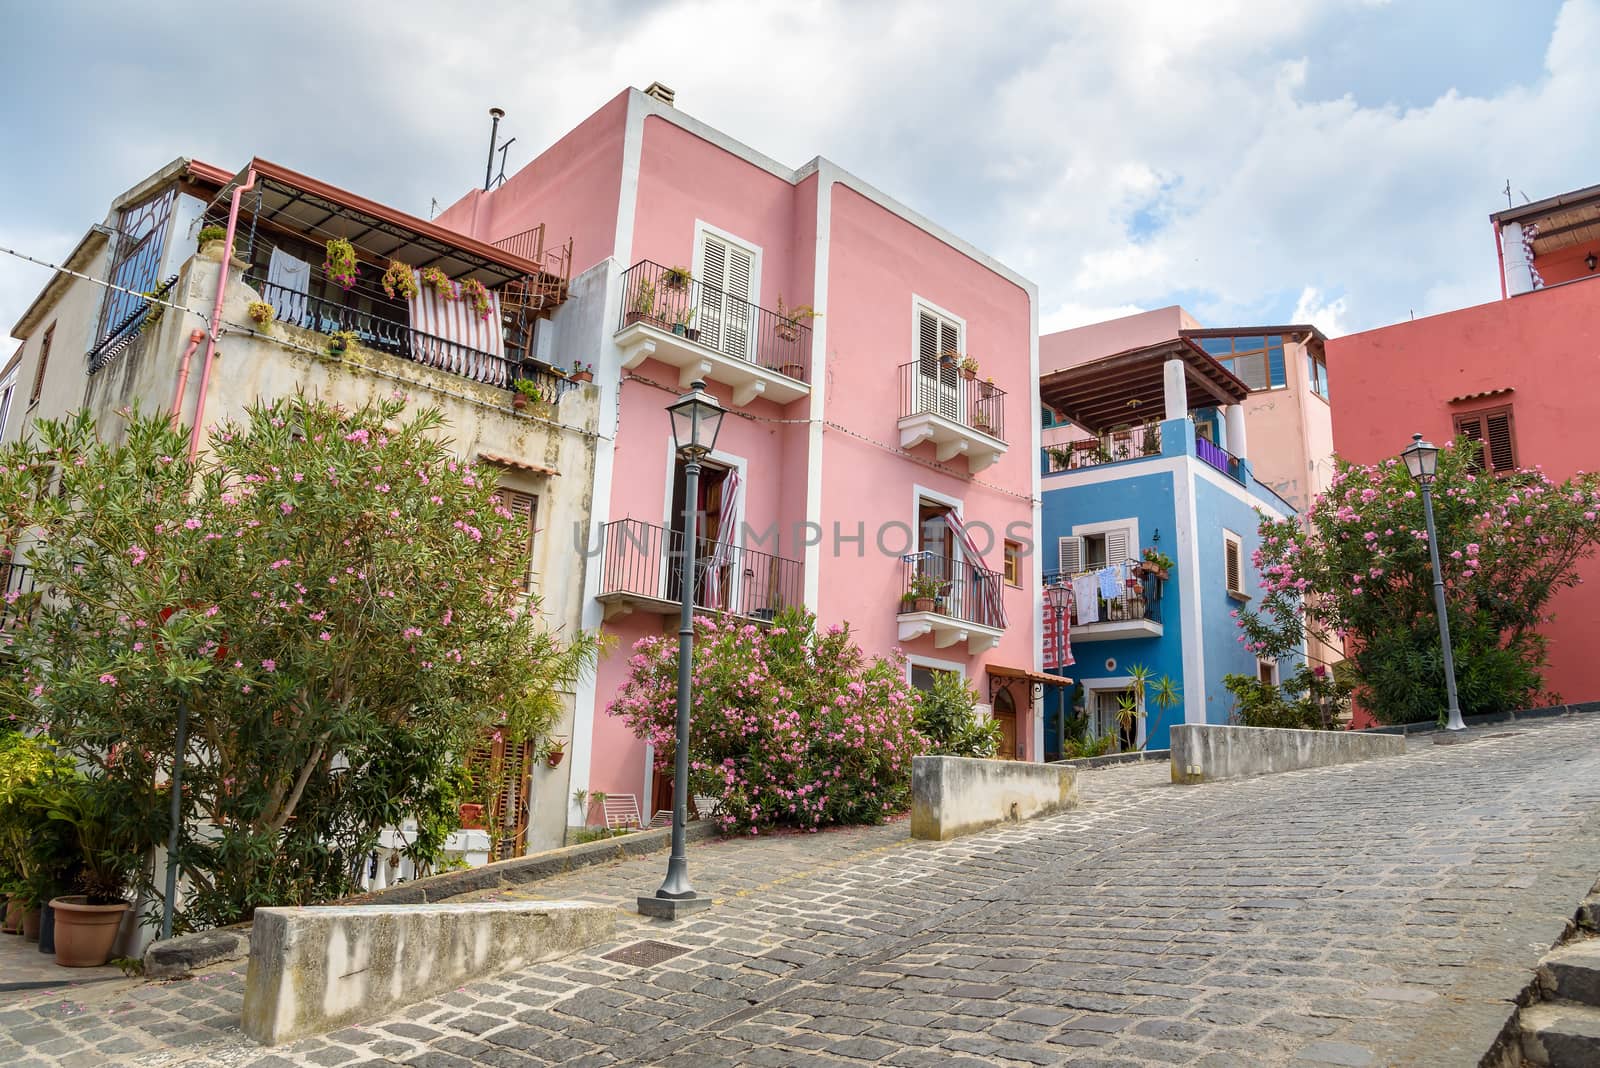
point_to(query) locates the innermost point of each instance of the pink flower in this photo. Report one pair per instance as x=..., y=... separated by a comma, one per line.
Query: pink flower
x=325, y=637
x=192, y=523
x=138, y=555
x=269, y=665
x=108, y=679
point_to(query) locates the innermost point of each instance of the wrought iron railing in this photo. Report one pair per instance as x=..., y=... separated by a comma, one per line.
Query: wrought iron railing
x=399, y=339
x=931, y=582
x=1128, y=443
x=647, y=560
x=938, y=387
x=1138, y=596
x=127, y=330
x=1223, y=460
x=675, y=302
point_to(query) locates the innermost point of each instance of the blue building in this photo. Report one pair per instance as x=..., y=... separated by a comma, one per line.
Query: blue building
x=1149, y=454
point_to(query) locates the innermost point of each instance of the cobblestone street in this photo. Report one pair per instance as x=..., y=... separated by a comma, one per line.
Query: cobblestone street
x=1370, y=914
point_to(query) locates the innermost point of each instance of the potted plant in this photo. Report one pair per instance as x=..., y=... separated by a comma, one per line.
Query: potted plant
x=790, y=320
x=341, y=340
x=439, y=282
x=340, y=263
x=681, y=320
x=554, y=751
x=261, y=313
x=475, y=291
x=950, y=358
x=968, y=367
x=1060, y=459
x=1152, y=439
x=210, y=233
x=525, y=391
x=106, y=822
x=981, y=420
x=400, y=281
x=675, y=277
x=1155, y=563
x=582, y=372
x=643, y=305
x=925, y=592
x=471, y=816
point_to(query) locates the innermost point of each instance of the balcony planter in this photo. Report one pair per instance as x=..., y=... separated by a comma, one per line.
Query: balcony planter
x=587, y=376
x=518, y=401
x=554, y=753
x=925, y=604
x=471, y=817
x=85, y=933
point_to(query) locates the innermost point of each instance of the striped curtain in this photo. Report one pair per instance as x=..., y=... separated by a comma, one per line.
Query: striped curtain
x=452, y=336
x=986, y=590
x=722, y=550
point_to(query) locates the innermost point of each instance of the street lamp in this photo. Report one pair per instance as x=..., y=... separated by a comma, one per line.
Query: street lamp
x=696, y=418
x=1057, y=595
x=1422, y=460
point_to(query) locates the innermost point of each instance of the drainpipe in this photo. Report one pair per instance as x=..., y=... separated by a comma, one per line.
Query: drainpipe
x=195, y=337
x=216, y=314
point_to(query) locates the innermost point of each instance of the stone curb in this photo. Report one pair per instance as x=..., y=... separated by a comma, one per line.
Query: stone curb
x=1490, y=719
x=1137, y=757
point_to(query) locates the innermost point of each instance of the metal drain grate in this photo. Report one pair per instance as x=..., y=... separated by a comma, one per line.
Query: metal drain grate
x=644, y=954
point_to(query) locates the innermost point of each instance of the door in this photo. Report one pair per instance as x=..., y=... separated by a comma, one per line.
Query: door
x=937, y=381
x=936, y=545
x=709, y=499
x=726, y=273
x=1108, y=718
x=1005, y=714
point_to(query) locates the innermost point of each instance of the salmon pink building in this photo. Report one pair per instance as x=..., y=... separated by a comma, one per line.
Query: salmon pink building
x=1517, y=376
x=876, y=465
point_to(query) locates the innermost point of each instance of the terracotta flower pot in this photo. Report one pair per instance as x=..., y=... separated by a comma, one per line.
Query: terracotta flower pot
x=925, y=604
x=583, y=376
x=518, y=401
x=553, y=757
x=472, y=817
x=30, y=925
x=85, y=933
x=13, y=921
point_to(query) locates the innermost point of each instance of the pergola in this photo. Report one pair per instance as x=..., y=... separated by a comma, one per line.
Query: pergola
x=1128, y=388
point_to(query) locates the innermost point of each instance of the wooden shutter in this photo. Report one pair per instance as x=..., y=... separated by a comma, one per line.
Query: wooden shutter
x=1117, y=550
x=1069, y=555
x=525, y=507
x=726, y=273
x=1234, y=559
x=1491, y=434
x=937, y=382
x=44, y=358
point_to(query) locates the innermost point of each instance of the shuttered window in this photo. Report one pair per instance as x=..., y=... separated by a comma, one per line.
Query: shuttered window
x=727, y=272
x=525, y=507
x=1069, y=555
x=1491, y=432
x=44, y=358
x=938, y=335
x=509, y=765
x=1233, y=562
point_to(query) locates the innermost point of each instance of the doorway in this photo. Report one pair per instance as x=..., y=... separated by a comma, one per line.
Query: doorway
x=1005, y=714
x=1107, y=717
x=712, y=505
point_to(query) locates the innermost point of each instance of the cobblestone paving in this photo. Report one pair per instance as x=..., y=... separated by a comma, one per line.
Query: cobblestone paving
x=1371, y=914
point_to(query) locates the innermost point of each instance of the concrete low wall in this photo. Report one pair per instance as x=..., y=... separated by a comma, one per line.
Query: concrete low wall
x=316, y=969
x=952, y=796
x=1206, y=752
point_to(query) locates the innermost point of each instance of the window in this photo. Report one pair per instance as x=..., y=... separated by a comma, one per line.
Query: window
x=136, y=263
x=1267, y=671
x=1490, y=432
x=922, y=676
x=1093, y=550
x=1317, y=374
x=727, y=275
x=525, y=507
x=1256, y=360
x=1114, y=713
x=44, y=358
x=1233, y=563
x=1013, y=555
x=937, y=334
x=5, y=408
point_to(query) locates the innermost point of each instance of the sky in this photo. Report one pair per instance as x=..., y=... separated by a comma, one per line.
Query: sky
x=1258, y=161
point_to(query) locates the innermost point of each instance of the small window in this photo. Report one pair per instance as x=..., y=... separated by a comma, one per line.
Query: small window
x=1091, y=552
x=922, y=677
x=1267, y=671
x=5, y=408
x=1490, y=433
x=1256, y=361
x=1317, y=374
x=44, y=358
x=1013, y=560
x=1233, y=563
x=525, y=507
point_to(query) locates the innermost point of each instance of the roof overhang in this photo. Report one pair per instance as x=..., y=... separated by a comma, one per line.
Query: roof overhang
x=1562, y=221
x=999, y=671
x=80, y=259
x=1129, y=387
x=304, y=205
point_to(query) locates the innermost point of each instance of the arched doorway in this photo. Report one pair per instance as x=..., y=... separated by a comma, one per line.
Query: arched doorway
x=1005, y=714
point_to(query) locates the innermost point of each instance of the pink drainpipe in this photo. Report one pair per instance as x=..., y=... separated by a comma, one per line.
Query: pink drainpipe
x=195, y=337
x=216, y=315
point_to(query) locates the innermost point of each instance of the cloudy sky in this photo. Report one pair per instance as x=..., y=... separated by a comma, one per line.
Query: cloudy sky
x=1254, y=160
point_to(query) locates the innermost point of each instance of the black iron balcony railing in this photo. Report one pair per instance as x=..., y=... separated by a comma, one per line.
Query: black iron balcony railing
x=937, y=387
x=673, y=301
x=1223, y=460
x=399, y=339
x=931, y=582
x=1138, y=597
x=647, y=561
x=1129, y=443
x=124, y=333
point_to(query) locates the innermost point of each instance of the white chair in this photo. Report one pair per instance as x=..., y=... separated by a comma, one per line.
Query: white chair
x=662, y=818
x=621, y=810
x=706, y=807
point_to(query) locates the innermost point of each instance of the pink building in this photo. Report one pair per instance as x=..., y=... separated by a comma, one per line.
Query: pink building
x=1518, y=375
x=830, y=320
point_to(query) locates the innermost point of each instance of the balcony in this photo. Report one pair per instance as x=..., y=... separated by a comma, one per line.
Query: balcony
x=1216, y=456
x=326, y=316
x=1135, y=612
x=961, y=416
x=1127, y=443
x=951, y=600
x=640, y=567
x=709, y=334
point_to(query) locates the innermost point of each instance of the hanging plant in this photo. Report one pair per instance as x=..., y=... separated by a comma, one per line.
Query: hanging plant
x=400, y=280
x=473, y=290
x=341, y=263
x=439, y=282
x=261, y=312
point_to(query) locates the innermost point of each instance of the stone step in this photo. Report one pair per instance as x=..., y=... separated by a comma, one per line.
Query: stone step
x=1572, y=972
x=1560, y=1034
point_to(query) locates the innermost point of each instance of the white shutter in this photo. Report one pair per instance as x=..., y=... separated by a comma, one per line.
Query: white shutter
x=736, y=308
x=936, y=381
x=726, y=274
x=1069, y=555
x=713, y=276
x=1117, y=550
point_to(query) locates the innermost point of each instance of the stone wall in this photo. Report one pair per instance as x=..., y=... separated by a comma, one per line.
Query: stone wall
x=1207, y=752
x=952, y=796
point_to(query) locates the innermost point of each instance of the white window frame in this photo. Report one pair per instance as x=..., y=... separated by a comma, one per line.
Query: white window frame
x=697, y=269
x=920, y=305
x=1080, y=530
x=958, y=552
x=1114, y=684
x=934, y=664
x=1231, y=538
x=1276, y=679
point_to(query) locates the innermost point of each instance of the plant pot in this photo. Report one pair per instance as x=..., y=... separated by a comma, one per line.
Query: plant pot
x=787, y=333
x=13, y=921
x=554, y=757
x=968, y=375
x=680, y=330
x=471, y=817
x=792, y=370
x=518, y=401
x=85, y=933
x=632, y=317
x=692, y=333
x=47, y=930
x=925, y=604
x=30, y=925
x=337, y=347
x=588, y=376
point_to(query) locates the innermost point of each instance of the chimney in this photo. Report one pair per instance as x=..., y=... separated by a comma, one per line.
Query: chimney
x=661, y=93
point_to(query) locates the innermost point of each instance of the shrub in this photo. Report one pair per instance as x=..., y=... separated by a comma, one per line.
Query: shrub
x=789, y=725
x=1310, y=699
x=947, y=717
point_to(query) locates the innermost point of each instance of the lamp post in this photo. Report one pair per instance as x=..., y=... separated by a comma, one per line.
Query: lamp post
x=1057, y=595
x=696, y=418
x=1422, y=460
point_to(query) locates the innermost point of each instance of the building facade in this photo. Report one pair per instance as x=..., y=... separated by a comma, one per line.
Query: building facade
x=858, y=463
x=1515, y=376
x=1153, y=527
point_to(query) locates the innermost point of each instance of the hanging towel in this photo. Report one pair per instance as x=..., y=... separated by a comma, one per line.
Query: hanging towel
x=722, y=549
x=288, y=285
x=450, y=335
x=1086, y=594
x=1110, y=582
x=986, y=595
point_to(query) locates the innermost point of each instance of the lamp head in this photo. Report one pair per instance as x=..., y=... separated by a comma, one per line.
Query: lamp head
x=1056, y=594
x=1422, y=459
x=696, y=418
